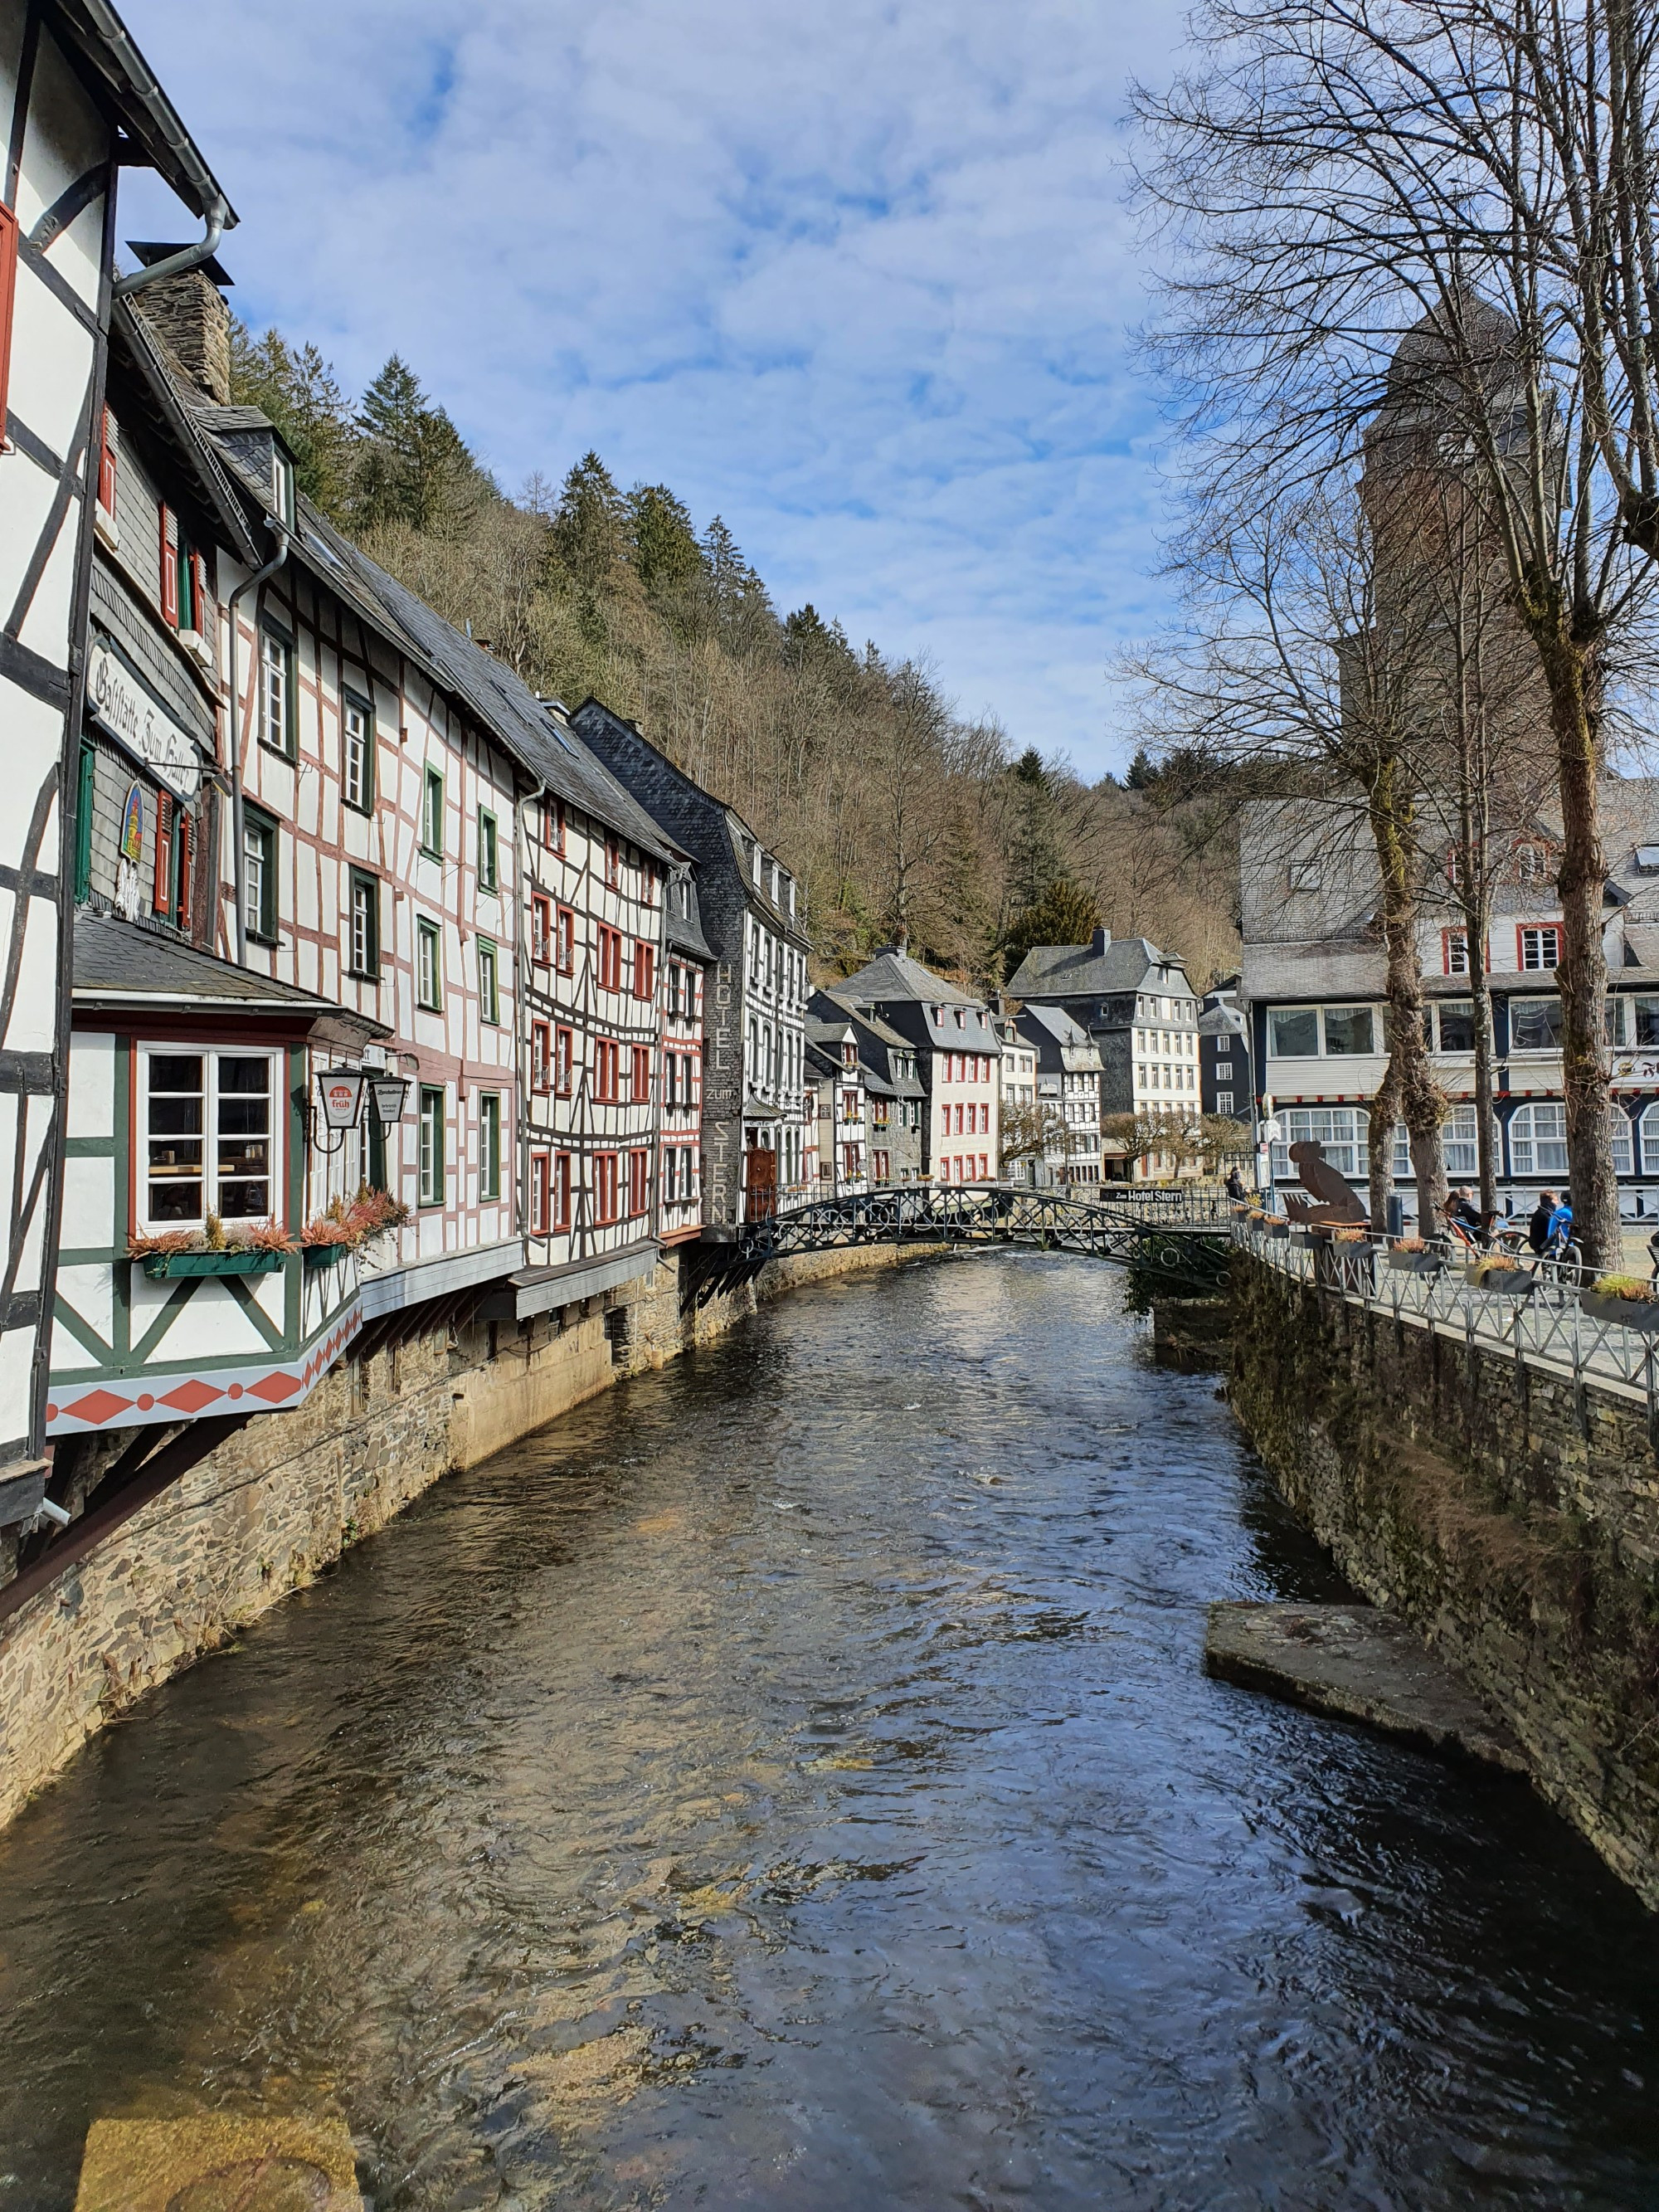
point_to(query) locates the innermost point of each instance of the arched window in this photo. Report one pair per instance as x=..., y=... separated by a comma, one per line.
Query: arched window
x=1649, y=1127
x=1538, y=1138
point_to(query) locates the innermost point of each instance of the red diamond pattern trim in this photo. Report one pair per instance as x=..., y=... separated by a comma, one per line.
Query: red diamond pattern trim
x=98, y=1405
x=276, y=1387
x=191, y=1397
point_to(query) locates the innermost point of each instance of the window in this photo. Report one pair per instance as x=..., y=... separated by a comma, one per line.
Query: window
x=489, y=997
x=1650, y=1130
x=1532, y=863
x=609, y=956
x=541, y=1194
x=541, y=928
x=612, y=864
x=1341, y=1129
x=432, y=813
x=1538, y=948
x=1293, y=1032
x=562, y=1190
x=198, y=600
x=645, y=971
x=106, y=452
x=488, y=852
x=1460, y=1138
x=259, y=875
x=638, y=1181
x=357, y=754
x=607, y=1070
x=363, y=948
x=670, y=1176
x=1647, y=1021
x=169, y=566
x=489, y=1145
x=1616, y=1020
x=553, y=823
x=605, y=1208
x=541, y=1056
x=281, y=485
x=209, y=1136
x=432, y=1145
x=1538, y=1141
x=564, y=1058
x=1349, y=1029
x=1224, y=1101
x=564, y=941
x=1534, y=1026
x=1456, y=1020
x=1454, y=952
x=428, y=966
x=1619, y=1134
x=278, y=724
x=641, y=1086
x=161, y=893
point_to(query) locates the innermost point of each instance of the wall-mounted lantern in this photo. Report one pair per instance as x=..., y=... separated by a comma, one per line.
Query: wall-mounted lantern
x=388, y=1096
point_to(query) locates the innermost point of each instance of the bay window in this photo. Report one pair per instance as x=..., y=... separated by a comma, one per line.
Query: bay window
x=1538, y=1138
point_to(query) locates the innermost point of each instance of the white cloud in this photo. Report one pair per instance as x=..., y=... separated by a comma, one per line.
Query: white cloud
x=857, y=279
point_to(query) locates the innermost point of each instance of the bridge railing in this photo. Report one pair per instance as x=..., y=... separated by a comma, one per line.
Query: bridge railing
x=927, y=1208
x=1545, y=1329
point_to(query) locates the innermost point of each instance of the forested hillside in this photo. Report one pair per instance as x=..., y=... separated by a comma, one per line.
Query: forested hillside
x=890, y=806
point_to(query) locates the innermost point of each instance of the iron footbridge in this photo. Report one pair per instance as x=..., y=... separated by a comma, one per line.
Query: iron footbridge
x=1179, y=1237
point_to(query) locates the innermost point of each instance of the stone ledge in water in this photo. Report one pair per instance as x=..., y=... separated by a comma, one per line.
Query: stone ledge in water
x=213, y=2162
x=1364, y=1665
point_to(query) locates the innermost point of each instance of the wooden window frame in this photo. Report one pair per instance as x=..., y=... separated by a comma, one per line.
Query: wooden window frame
x=433, y=1190
x=211, y=1176
x=288, y=750
x=360, y=880
x=490, y=983
x=639, y=1183
x=644, y=958
x=564, y=940
x=169, y=586
x=489, y=1169
x=541, y=1057
x=8, y=314
x=541, y=929
x=352, y=702
x=1450, y=938
x=563, y=1181
x=552, y=824
x=612, y=864
x=256, y=823
x=489, y=849
x=161, y=888
x=1540, y=930
x=564, y=1061
x=109, y=454
x=541, y=1194
x=640, y=1092
x=428, y=931
x=607, y=1072
x=607, y=1189
x=609, y=955
x=431, y=779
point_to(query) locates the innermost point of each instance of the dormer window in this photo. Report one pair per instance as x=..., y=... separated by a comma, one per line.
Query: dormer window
x=1532, y=863
x=281, y=485
x=755, y=866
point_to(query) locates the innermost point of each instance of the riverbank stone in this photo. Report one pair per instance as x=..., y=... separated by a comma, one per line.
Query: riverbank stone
x=1361, y=1664
x=217, y=2162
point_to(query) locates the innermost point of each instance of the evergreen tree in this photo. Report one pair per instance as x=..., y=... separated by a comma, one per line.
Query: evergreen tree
x=414, y=466
x=590, y=526
x=661, y=542
x=1064, y=915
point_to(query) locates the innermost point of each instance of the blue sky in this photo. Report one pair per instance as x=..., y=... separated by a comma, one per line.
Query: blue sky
x=858, y=277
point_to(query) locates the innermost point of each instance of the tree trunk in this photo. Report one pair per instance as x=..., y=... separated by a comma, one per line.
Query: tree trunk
x=1420, y=1103
x=1379, y=1149
x=1573, y=676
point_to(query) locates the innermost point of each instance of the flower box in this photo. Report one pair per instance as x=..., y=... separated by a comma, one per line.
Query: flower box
x=1502, y=1282
x=164, y=1265
x=324, y=1255
x=1415, y=1263
x=1276, y=1228
x=1639, y=1314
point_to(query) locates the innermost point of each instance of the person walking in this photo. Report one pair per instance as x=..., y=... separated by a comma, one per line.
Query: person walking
x=1538, y=1226
x=1236, y=1189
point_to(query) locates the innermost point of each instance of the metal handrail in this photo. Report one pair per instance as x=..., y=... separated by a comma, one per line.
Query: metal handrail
x=1545, y=1328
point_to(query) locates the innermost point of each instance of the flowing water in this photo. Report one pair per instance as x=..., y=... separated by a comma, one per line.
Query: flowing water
x=792, y=1782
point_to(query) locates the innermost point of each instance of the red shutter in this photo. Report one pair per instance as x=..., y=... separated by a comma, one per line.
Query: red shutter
x=162, y=900
x=107, y=466
x=169, y=566
x=198, y=593
x=8, y=293
x=187, y=866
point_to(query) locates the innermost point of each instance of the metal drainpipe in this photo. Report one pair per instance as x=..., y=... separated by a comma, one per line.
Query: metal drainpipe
x=239, y=850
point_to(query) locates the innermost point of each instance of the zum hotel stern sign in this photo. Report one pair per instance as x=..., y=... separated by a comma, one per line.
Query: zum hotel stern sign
x=124, y=708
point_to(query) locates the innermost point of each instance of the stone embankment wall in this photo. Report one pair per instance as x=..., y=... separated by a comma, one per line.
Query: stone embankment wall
x=1514, y=1524
x=285, y=1496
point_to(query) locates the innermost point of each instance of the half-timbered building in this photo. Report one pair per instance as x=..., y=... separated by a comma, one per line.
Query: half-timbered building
x=687, y=960
x=81, y=100
x=958, y=1058
x=754, y=1118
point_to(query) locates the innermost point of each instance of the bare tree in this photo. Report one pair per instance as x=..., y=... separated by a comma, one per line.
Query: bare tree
x=1415, y=201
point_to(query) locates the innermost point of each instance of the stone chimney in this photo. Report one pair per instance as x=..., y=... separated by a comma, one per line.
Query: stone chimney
x=188, y=313
x=1101, y=939
x=901, y=942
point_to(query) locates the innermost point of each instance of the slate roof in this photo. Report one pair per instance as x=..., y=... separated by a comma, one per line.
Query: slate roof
x=181, y=425
x=684, y=931
x=117, y=964
x=1060, y=1040
x=893, y=975
x=878, y=1041
x=1079, y=971
x=144, y=107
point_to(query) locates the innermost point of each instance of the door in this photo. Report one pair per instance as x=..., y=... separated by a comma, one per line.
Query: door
x=761, y=1181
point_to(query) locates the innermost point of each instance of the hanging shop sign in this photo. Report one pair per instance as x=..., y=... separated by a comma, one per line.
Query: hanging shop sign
x=125, y=707
x=132, y=825
x=340, y=1094
x=388, y=1093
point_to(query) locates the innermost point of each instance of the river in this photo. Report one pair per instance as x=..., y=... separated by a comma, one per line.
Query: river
x=791, y=1781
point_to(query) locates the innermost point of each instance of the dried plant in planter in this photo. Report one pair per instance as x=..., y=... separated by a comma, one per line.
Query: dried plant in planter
x=262, y=1237
x=1351, y=1236
x=1629, y=1287
x=143, y=1246
x=1409, y=1245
